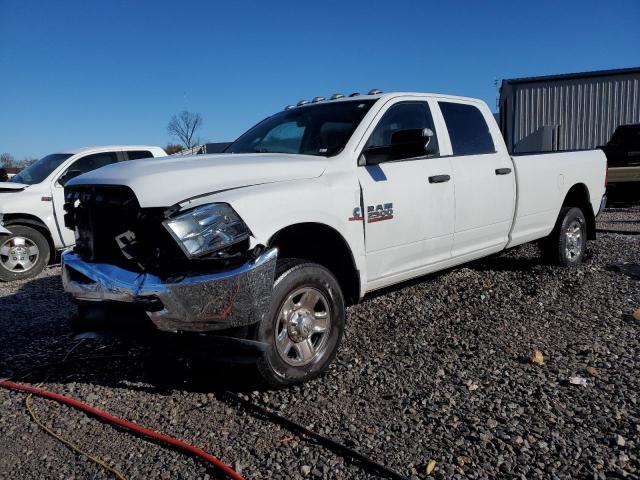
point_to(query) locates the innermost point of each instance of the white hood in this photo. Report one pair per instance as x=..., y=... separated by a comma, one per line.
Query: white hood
x=162, y=182
x=12, y=186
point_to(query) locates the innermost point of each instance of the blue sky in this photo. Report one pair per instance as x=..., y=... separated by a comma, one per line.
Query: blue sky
x=78, y=72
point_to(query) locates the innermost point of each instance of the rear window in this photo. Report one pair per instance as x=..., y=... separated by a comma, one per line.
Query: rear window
x=138, y=154
x=467, y=128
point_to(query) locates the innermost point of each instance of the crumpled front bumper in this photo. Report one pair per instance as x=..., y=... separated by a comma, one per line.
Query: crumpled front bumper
x=198, y=303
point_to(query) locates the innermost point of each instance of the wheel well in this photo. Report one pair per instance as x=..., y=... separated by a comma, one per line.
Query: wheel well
x=33, y=222
x=321, y=244
x=578, y=196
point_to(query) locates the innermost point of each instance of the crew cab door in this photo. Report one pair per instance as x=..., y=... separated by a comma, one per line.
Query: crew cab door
x=79, y=166
x=483, y=177
x=407, y=193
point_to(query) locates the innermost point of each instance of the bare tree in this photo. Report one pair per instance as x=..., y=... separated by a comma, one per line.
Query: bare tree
x=27, y=161
x=183, y=126
x=7, y=160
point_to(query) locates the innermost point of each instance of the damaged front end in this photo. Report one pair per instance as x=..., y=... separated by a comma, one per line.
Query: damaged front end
x=190, y=271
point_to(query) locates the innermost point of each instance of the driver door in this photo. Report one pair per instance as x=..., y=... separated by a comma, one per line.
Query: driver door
x=78, y=167
x=408, y=197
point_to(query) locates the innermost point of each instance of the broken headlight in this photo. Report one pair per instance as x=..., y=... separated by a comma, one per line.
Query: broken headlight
x=207, y=229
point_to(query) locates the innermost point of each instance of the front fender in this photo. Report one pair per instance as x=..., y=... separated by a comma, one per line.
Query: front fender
x=329, y=201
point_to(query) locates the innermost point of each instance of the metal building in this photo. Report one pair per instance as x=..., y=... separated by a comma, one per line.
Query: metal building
x=568, y=112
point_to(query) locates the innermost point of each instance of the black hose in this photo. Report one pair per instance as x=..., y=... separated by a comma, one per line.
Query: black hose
x=368, y=464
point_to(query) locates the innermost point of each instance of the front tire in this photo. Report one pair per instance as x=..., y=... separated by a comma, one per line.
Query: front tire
x=566, y=245
x=23, y=254
x=304, y=326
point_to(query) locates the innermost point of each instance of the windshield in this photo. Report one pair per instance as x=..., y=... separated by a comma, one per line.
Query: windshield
x=40, y=170
x=322, y=129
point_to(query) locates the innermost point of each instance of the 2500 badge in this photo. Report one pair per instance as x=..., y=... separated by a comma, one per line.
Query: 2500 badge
x=375, y=213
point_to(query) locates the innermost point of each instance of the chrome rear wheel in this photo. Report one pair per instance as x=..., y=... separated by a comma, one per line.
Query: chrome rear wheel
x=574, y=240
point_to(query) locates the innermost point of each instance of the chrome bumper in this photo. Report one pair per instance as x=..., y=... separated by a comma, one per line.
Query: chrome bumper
x=198, y=303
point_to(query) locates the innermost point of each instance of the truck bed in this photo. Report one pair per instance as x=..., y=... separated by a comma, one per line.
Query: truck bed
x=543, y=182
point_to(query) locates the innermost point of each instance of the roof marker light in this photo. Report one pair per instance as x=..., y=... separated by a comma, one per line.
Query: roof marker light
x=354, y=94
x=289, y=107
x=317, y=99
x=303, y=102
x=336, y=96
x=374, y=91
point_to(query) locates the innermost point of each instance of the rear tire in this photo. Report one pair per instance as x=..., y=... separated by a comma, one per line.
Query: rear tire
x=566, y=245
x=304, y=326
x=23, y=254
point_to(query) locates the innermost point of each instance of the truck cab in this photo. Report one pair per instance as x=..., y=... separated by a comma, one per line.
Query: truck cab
x=32, y=229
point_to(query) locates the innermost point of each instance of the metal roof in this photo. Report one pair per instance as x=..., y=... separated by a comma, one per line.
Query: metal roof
x=571, y=76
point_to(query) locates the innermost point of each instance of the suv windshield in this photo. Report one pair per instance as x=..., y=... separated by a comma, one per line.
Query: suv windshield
x=321, y=129
x=41, y=169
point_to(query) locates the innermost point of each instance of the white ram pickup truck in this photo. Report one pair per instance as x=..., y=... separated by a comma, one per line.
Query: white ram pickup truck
x=31, y=205
x=310, y=210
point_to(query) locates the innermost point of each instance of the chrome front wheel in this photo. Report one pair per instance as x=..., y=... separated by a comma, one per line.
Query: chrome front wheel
x=23, y=254
x=19, y=254
x=303, y=326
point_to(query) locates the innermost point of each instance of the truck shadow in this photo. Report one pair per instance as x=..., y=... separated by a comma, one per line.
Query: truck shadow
x=37, y=344
x=510, y=261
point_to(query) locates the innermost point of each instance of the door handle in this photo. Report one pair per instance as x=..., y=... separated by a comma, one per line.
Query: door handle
x=439, y=178
x=503, y=171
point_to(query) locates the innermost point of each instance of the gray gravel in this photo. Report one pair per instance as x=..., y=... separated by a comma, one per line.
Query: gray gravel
x=620, y=218
x=437, y=369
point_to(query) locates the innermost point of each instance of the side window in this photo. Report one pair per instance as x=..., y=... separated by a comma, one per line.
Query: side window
x=467, y=128
x=405, y=131
x=91, y=162
x=138, y=154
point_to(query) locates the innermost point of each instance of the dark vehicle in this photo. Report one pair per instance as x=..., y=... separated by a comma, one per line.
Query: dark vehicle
x=623, y=157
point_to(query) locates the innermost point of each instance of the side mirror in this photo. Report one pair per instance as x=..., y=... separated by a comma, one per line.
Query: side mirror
x=413, y=136
x=68, y=175
x=409, y=143
x=427, y=133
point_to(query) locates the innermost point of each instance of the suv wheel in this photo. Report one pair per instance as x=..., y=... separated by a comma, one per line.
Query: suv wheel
x=23, y=254
x=304, y=326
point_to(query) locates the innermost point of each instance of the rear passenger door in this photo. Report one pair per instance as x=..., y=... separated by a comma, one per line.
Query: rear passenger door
x=483, y=177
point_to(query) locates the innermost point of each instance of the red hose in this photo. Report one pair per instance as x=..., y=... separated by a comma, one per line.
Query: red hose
x=125, y=424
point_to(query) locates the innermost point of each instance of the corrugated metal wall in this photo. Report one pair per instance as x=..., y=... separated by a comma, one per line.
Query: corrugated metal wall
x=586, y=110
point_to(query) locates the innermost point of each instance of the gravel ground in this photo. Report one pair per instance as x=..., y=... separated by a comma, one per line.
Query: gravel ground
x=622, y=218
x=434, y=370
